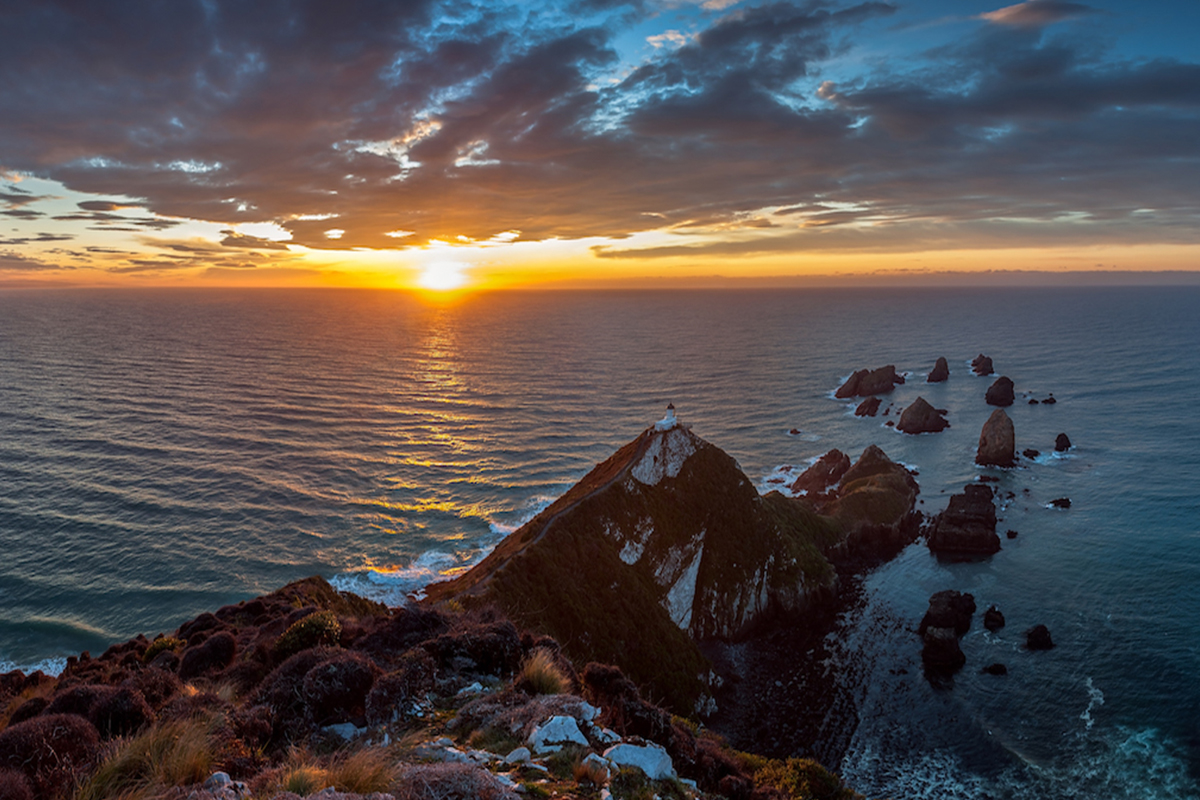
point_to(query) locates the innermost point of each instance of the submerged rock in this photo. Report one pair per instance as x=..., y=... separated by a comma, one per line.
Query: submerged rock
x=995, y=669
x=1000, y=393
x=982, y=365
x=993, y=619
x=997, y=441
x=1062, y=443
x=920, y=417
x=865, y=382
x=1030, y=453
x=940, y=371
x=968, y=525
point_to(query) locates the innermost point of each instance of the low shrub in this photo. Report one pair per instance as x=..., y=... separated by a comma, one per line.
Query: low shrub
x=51, y=750
x=802, y=779
x=162, y=643
x=317, y=629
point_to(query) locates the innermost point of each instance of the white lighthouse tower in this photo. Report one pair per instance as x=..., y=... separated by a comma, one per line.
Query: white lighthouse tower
x=669, y=421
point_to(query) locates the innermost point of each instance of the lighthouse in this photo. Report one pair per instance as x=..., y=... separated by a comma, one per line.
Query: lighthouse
x=669, y=421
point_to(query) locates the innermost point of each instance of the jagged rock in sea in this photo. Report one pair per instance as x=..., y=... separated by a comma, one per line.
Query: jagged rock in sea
x=949, y=609
x=940, y=372
x=1038, y=638
x=997, y=441
x=920, y=417
x=868, y=407
x=1001, y=392
x=982, y=365
x=1062, y=443
x=866, y=382
x=968, y=525
x=666, y=543
x=1030, y=453
x=1061, y=502
x=993, y=619
x=822, y=476
x=948, y=617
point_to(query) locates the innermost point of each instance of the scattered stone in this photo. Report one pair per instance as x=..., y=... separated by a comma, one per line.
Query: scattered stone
x=1030, y=453
x=1000, y=393
x=1010, y=533
x=982, y=365
x=889, y=424
x=941, y=371
x=949, y=609
x=993, y=619
x=651, y=759
x=1049, y=401
x=554, y=733
x=518, y=756
x=1062, y=443
x=995, y=669
x=868, y=407
x=1033, y=401
x=600, y=765
x=1038, y=638
x=864, y=382
x=968, y=525
x=795, y=431
x=920, y=417
x=997, y=441
x=1061, y=502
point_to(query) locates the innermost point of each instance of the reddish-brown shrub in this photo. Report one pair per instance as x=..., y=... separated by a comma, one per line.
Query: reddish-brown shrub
x=120, y=713
x=51, y=751
x=336, y=689
x=213, y=654
x=14, y=786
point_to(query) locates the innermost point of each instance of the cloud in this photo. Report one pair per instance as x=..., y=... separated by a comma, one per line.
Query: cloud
x=387, y=117
x=13, y=262
x=1037, y=13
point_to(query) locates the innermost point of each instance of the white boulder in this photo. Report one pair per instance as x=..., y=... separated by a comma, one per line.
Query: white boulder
x=651, y=759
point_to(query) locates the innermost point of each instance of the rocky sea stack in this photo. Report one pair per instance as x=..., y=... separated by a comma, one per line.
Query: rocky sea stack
x=940, y=371
x=967, y=527
x=997, y=441
x=920, y=417
x=1000, y=393
x=865, y=382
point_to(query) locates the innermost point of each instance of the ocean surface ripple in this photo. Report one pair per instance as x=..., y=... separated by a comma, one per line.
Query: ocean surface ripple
x=164, y=452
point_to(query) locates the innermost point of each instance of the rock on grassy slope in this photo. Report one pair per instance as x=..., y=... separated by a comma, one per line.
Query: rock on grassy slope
x=666, y=543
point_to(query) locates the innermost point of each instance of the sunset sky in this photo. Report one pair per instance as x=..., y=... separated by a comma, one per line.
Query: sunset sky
x=412, y=142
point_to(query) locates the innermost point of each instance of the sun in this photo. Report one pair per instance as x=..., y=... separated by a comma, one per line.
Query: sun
x=443, y=276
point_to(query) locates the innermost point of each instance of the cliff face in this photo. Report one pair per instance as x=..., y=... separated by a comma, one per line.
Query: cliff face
x=665, y=543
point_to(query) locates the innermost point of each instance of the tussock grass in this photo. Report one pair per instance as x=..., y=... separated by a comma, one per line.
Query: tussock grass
x=176, y=753
x=159, y=645
x=541, y=673
x=362, y=771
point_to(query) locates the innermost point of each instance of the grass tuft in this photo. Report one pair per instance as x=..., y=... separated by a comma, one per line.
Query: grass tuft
x=318, y=628
x=176, y=753
x=541, y=674
x=159, y=645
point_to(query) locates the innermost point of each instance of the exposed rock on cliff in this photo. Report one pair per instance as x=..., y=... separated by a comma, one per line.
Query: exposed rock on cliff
x=941, y=371
x=968, y=525
x=1000, y=393
x=997, y=441
x=865, y=382
x=665, y=543
x=920, y=417
x=982, y=365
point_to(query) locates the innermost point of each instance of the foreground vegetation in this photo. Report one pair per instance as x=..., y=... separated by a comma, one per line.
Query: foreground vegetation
x=307, y=690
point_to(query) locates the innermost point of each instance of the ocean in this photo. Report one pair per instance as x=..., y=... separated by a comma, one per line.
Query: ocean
x=164, y=452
